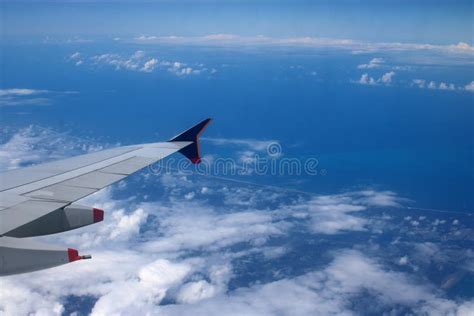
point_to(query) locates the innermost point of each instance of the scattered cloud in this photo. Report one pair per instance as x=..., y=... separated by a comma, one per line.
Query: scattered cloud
x=446, y=86
x=330, y=291
x=20, y=92
x=420, y=83
x=180, y=69
x=76, y=58
x=34, y=144
x=366, y=79
x=469, y=87
x=373, y=63
x=134, y=62
x=386, y=79
x=79, y=40
x=139, y=61
x=335, y=214
x=17, y=96
x=73, y=40
x=248, y=152
x=252, y=144
x=146, y=38
x=150, y=65
x=403, y=261
x=433, y=85
x=26, y=96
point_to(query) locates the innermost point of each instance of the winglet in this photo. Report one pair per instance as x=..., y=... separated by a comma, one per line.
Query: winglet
x=192, y=151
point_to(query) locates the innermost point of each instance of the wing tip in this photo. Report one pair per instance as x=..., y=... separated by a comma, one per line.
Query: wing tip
x=192, y=134
x=193, y=150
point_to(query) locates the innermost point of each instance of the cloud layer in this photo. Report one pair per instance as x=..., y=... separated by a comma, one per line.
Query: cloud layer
x=174, y=244
x=21, y=96
x=312, y=42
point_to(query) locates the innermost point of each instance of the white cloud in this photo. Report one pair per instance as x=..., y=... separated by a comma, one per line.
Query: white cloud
x=433, y=85
x=378, y=198
x=22, y=96
x=181, y=69
x=420, y=83
x=252, y=144
x=162, y=274
x=79, y=40
x=366, y=79
x=403, y=261
x=328, y=292
x=469, y=87
x=189, y=196
x=139, y=61
x=141, y=290
x=132, y=62
x=127, y=225
x=465, y=309
x=20, y=92
x=335, y=214
x=76, y=58
x=33, y=144
x=193, y=227
x=462, y=46
x=17, y=96
x=62, y=40
x=446, y=86
x=373, y=63
x=186, y=252
x=193, y=292
x=313, y=42
x=386, y=79
x=146, y=38
x=75, y=55
x=150, y=65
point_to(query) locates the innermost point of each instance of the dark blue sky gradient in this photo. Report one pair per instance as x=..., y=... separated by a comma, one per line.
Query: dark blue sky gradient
x=438, y=22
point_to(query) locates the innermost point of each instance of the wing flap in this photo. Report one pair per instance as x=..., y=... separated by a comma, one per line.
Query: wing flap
x=61, y=192
x=94, y=180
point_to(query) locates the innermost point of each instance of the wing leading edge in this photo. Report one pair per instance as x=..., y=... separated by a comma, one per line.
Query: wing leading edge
x=39, y=200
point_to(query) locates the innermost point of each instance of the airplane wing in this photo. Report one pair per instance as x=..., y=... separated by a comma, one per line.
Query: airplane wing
x=39, y=200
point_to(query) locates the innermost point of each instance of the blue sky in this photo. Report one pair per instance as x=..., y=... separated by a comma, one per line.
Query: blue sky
x=379, y=94
x=437, y=22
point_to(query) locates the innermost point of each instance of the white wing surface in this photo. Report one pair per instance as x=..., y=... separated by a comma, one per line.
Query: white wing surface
x=38, y=200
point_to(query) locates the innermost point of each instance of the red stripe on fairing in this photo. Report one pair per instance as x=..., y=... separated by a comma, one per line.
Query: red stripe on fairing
x=73, y=255
x=98, y=215
x=197, y=160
